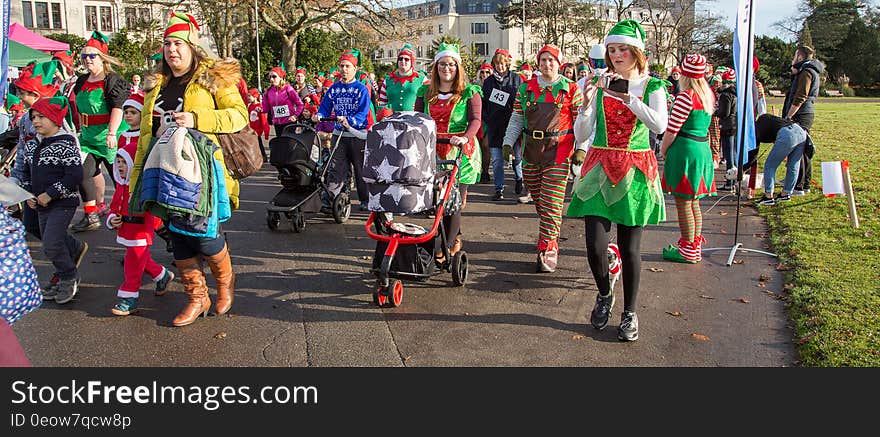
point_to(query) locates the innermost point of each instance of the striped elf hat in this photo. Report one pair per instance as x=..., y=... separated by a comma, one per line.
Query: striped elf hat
x=693, y=66
x=183, y=26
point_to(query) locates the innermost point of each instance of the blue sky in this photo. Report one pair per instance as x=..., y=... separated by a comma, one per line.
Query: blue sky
x=767, y=12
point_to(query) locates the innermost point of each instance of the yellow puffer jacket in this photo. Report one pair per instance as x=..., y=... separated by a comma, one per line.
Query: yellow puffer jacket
x=214, y=81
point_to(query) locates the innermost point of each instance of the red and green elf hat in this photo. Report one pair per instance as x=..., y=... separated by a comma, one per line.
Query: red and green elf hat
x=351, y=55
x=553, y=50
x=408, y=51
x=13, y=103
x=31, y=79
x=183, y=26
x=99, y=41
x=53, y=108
x=66, y=57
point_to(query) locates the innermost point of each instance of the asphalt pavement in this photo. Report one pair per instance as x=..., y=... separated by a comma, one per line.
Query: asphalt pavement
x=304, y=299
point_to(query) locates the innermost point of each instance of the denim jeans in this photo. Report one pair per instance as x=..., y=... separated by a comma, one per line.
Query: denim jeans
x=498, y=166
x=58, y=245
x=728, y=148
x=789, y=144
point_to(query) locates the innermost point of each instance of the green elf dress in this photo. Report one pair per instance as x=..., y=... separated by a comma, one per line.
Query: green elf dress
x=452, y=121
x=399, y=93
x=94, y=112
x=688, y=171
x=619, y=178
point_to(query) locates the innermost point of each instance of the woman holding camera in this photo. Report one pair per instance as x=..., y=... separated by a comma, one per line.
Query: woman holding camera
x=619, y=178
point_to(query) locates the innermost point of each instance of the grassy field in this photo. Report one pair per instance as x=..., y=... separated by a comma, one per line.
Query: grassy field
x=832, y=270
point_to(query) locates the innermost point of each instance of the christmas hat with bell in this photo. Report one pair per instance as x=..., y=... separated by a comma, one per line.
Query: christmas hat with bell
x=628, y=32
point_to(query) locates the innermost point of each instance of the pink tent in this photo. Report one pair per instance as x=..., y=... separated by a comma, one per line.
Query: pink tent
x=22, y=35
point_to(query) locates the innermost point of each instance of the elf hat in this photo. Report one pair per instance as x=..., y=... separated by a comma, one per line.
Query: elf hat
x=503, y=52
x=31, y=79
x=675, y=69
x=553, y=50
x=66, y=57
x=278, y=71
x=407, y=50
x=694, y=66
x=628, y=32
x=13, y=103
x=583, y=67
x=328, y=83
x=755, y=64
x=135, y=100
x=53, y=108
x=525, y=67
x=301, y=71
x=254, y=93
x=486, y=66
x=597, y=51
x=99, y=41
x=351, y=55
x=450, y=50
x=729, y=76
x=183, y=26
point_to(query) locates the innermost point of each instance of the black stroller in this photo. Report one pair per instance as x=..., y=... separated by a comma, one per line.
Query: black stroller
x=404, y=177
x=302, y=168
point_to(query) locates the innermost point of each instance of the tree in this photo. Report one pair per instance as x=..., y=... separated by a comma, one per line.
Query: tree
x=76, y=42
x=859, y=54
x=672, y=24
x=557, y=22
x=470, y=62
x=805, y=38
x=129, y=54
x=829, y=22
x=292, y=17
x=224, y=21
x=774, y=55
x=317, y=50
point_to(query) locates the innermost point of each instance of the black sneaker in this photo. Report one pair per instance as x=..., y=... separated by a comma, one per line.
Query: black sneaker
x=629, y=327
x=162, y=283
x=601, y=311
x=89, y=222
x=499, y=195
x=767, y=201
x=67, y=289
x=518, y=187
x=783, y=198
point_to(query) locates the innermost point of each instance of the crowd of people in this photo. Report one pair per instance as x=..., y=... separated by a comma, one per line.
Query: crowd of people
x=596, y=127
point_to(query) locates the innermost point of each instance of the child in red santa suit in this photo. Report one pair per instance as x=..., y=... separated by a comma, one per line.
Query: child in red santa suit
x=134, y=231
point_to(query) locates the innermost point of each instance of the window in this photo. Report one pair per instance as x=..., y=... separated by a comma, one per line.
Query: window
x=56, y=15
x=521, y=48
x=479, y=28
x=535, y=47
x=419, y=51
x=91, y=18
x=472, y=6
x=429, y=30
x=131, y=18
x=27, y=14
x=145, y=15
x=41, y=10
x=411, y=14
x=440, y=28
x=437, y=9
x=487, y=7
x=573, y=51
x=106, y=18
x=481, y=49
x=390, y=53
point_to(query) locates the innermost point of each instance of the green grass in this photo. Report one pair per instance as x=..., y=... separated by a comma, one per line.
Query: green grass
x=834, y=282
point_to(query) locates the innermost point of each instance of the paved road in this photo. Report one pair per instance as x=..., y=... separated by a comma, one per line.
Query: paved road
x=304, y=300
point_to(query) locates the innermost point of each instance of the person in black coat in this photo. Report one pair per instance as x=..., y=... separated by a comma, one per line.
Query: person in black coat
x=726, y=113
x=499, y=90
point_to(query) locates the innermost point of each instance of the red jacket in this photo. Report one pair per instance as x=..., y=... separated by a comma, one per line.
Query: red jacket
x=258, y=119
x=129, y=234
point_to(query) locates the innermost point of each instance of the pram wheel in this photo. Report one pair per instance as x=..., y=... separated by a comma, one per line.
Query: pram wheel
x=341, y=208
x=390, y=296
x=273, y=220
x=297, y=221
x=459, y=268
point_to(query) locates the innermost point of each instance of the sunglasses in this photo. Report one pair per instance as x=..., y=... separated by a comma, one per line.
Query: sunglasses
x=89, y=56
x=403, y=58
x=273, y=76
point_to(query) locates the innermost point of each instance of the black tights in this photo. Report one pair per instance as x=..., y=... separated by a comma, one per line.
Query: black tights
x=629, y=239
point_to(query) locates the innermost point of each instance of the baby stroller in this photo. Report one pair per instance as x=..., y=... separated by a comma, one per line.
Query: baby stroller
x=301, y=170
x=404, y=177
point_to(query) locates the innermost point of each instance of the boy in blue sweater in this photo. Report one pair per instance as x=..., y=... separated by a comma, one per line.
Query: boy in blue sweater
x=54, y=171
x=349, y=101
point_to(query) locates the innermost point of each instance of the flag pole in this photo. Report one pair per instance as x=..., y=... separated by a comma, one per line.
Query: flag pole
x=746, y=69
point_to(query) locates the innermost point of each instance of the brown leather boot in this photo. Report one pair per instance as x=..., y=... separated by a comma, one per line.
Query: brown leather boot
x=221, y=268
x=196, y=289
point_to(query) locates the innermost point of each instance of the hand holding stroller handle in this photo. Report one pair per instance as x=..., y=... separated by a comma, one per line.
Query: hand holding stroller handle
x=327, y=119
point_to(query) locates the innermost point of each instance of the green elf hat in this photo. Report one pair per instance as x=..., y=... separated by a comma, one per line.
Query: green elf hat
x=156, y=56
x=47, y=70
x=583, y=67
x=183, y=26
x=628, y=32
x=13, y=103
x=99, y=41
x=450, y=50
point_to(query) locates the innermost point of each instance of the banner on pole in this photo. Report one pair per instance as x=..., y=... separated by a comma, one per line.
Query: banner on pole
x=4, y=50
x=743, y=52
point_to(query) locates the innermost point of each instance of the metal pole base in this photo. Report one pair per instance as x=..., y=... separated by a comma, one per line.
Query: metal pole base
x=740, y=248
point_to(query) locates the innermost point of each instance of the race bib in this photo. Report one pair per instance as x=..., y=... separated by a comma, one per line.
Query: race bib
x=499, y=97
x=281, y=111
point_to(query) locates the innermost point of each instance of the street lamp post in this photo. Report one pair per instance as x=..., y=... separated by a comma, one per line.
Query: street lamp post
x=257, y=22
x=523, y=49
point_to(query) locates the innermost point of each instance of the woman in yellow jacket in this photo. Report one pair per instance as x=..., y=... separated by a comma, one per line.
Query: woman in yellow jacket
x=191, y=90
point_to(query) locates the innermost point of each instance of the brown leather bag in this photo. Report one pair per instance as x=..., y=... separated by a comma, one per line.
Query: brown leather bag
x=241, y=152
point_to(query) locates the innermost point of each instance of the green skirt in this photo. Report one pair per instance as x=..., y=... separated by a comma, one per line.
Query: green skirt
x=634, y=201
x=688, y=171
x=470, y=169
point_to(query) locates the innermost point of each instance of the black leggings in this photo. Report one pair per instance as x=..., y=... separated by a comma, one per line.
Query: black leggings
x=88, y=190
x=629, y=239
